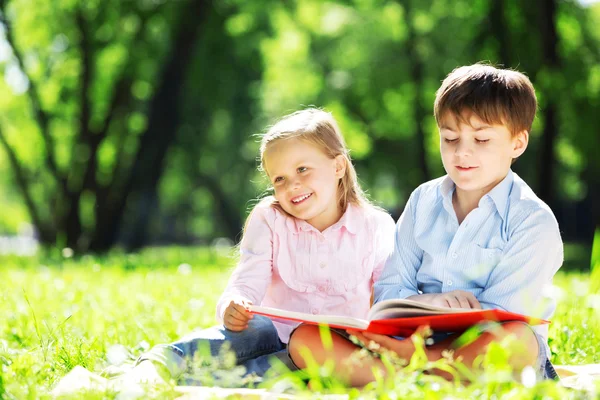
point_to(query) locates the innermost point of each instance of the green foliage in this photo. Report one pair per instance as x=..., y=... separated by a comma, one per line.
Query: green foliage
x=59, y=311
x=374, y=64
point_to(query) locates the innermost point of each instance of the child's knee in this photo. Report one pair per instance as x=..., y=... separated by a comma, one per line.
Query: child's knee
x=525, y=335
x=302, y=337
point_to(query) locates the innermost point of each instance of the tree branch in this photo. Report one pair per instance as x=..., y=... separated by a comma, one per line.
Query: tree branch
x=39, y=114
x=24, y=184
x=120, y=95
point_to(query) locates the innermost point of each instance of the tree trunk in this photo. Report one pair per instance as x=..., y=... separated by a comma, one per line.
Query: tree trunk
x=163, y=118
x=416, y=74
x=547, y=179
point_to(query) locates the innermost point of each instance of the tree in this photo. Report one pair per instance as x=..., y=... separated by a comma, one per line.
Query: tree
x=94, y=114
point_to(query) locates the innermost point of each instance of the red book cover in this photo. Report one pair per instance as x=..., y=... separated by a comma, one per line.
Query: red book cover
x=401, y=318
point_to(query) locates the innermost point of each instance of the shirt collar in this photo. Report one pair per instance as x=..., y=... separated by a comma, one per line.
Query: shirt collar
x=447, y=187
x=348, y=221
x=499, y=194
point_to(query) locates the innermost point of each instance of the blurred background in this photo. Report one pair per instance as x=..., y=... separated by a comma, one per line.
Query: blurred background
x=128, y=123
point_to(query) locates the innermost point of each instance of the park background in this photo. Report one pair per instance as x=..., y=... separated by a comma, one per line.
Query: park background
x=128, y=144
x=134, y=123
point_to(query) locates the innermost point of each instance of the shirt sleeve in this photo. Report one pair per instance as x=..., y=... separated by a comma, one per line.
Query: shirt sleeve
x=252, y=276
x=530, y=259
x=385, y=231
x=399, y=277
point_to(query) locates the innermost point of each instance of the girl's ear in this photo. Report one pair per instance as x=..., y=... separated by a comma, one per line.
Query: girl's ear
x=520, y=143
x=340, y=166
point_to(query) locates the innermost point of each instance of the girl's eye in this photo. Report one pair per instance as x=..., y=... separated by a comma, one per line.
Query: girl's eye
x=482, y=141
x=450, y=140
x=302, y=169
x=278, y=179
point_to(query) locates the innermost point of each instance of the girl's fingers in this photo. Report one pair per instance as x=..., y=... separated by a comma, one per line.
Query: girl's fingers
x=235, y=328
x=231, y=322
x=238, y=316
x=240, y=313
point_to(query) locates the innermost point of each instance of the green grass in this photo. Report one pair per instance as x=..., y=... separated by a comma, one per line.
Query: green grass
x=57, y=312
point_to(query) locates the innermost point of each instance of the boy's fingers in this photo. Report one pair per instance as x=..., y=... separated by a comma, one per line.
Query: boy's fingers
x=464, y=302
x=452, y=301
x=474, y=302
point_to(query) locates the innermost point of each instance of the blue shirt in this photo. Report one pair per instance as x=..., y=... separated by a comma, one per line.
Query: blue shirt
x=505, y=251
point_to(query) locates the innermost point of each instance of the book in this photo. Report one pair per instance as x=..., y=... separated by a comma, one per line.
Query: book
x=399, y=317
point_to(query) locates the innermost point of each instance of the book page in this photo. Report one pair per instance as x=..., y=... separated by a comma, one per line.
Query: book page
x=400, y=308
x=334, y=320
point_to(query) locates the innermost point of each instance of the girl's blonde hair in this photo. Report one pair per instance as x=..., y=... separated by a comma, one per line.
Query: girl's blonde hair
x=319, y=128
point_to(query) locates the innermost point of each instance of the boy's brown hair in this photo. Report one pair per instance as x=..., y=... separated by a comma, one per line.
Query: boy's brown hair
x=497, y=96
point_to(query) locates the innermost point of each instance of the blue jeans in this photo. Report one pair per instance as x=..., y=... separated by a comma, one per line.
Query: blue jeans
x=253, y=347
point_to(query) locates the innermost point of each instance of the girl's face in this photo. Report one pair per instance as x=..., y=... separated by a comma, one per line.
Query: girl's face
x=305, y=180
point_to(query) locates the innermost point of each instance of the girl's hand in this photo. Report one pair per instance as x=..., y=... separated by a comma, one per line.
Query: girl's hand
x=236, y=316
x=453, y=299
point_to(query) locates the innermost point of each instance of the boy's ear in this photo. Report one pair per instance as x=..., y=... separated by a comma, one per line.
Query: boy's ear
x=520, y=142
x=340, y=166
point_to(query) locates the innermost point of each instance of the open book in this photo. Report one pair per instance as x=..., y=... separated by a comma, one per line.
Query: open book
x=401, y=317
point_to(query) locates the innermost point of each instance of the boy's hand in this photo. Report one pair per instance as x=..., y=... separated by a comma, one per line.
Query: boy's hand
x=236, y=316
x=453, y=299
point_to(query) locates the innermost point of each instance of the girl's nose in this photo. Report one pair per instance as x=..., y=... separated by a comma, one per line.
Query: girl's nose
x=294, y=183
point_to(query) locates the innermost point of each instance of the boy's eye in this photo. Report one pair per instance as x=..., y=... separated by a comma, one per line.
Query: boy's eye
x=450, y=140
x=302, y=169
x=482, y=140
x=278, y=179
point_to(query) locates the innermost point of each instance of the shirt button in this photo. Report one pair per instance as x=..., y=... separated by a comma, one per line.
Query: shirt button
x=315, y=311
x=449, y=283
x=321, y=239
x=323, y=265
x=454, y=255
x=321, y=288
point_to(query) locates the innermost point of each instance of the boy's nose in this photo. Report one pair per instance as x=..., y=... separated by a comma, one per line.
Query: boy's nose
x=463, y=149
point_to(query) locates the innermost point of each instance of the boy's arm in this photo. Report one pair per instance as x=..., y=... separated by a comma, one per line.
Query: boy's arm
x=252, y=276
x=531, y=258
x=399, y=277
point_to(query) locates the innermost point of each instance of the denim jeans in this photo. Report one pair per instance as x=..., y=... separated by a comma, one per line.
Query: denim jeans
x=253, y=347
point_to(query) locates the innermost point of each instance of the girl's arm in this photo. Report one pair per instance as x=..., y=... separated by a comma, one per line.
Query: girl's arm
x=384, y=233
x=399, y=277
x=252, y=276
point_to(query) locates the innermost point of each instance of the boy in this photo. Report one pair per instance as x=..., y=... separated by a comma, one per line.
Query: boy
x=475, y=238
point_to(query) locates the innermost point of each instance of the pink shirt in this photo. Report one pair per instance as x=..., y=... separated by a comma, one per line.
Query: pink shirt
x=286, y=263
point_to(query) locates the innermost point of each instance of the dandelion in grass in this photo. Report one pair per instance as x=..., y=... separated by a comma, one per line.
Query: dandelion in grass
x=528, y=377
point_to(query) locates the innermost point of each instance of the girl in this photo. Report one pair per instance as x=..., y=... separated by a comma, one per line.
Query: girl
x=316, y=246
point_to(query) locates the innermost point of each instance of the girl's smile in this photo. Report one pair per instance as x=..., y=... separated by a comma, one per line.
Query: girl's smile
x=301, y=198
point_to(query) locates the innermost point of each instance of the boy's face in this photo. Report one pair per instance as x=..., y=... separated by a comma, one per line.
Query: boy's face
x=477, y=156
